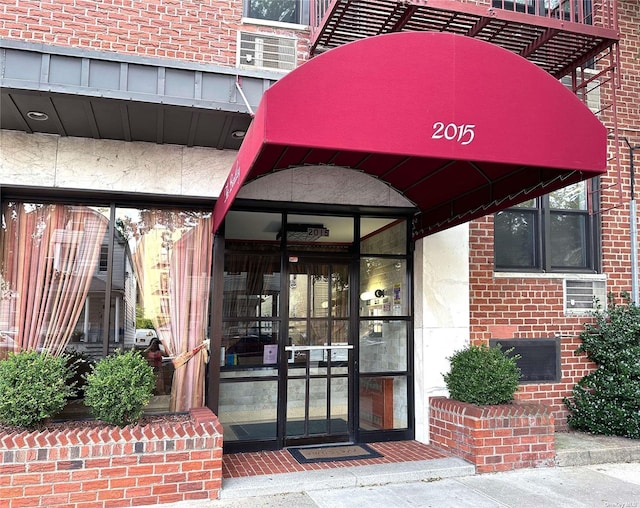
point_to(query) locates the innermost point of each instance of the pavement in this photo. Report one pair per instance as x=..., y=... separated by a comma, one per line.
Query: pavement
x=591, y=472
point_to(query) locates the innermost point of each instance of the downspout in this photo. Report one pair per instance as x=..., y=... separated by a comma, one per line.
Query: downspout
x=633, y=223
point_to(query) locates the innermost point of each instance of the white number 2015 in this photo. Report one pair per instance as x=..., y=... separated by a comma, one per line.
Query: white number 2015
x=463, y=134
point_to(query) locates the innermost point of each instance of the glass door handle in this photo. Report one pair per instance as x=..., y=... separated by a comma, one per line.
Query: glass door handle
x=318, y=348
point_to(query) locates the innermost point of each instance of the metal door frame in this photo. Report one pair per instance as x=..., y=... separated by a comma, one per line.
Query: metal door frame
x=329, y=259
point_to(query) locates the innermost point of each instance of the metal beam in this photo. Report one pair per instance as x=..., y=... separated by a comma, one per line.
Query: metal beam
x=408, y=13
x=546, y=36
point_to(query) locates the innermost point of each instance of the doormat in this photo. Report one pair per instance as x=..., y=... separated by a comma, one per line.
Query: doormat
x=333, y=453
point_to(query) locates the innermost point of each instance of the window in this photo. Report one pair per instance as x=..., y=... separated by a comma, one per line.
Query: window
x=282, y=11
x=581, y=11
x=75, y=282
x=104, y=258
x=554, y=233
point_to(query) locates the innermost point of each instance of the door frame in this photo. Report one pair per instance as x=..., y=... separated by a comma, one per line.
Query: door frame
x=354, y=257
x=329, y=258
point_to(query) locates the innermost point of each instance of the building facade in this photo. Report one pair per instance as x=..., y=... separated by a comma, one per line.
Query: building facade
x=337, y=272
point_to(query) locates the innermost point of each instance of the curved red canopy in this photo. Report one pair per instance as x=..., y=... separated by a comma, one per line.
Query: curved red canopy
x=460, y=127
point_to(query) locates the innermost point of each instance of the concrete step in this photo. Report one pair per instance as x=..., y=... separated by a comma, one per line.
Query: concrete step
x=359, y=476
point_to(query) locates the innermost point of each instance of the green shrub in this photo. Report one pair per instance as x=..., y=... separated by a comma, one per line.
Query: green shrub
x=34, y=386
x=607, y=401
x=119, y=387
x=482, y=375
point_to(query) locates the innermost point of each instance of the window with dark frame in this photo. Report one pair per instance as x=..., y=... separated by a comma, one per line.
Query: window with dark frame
x=104, y=258
x=554, y=233
x=282, y=11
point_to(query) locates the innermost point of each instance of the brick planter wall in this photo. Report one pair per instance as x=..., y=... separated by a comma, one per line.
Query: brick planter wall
x=112, y=466
x=494, y=438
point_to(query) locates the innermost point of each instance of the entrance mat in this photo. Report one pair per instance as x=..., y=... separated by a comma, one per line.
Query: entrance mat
x=333, y=453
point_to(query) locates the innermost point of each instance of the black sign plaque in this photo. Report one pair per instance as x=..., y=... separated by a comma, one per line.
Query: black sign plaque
x=539, y=358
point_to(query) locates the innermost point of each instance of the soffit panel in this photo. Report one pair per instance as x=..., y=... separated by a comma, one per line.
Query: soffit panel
x=111, y=96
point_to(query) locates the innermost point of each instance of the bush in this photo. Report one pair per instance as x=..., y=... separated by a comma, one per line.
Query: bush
x=482, y=375
x=34, y=386
x=119, y=387
x=607, y=401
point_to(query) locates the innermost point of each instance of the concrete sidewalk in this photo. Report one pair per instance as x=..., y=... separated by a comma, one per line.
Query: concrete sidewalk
x=580, y=449
x=597, y=486
x=592, y=472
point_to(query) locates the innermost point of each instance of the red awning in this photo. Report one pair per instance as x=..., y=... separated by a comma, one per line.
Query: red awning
x=460, y=127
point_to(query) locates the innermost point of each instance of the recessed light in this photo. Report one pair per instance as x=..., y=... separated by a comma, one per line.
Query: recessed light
x=38, y=116
x=238, y=134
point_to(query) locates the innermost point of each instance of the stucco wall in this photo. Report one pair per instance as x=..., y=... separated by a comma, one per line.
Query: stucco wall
x=441, y=293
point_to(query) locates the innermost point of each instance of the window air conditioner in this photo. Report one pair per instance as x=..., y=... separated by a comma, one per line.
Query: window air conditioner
x=266, y=51
x=584, y=296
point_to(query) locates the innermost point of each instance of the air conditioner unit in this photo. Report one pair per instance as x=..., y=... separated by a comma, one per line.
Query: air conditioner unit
x=266, y=51
x=582, y=296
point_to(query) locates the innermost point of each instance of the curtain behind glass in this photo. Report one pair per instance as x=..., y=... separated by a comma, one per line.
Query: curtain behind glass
x=172, y=258
x=48, y=256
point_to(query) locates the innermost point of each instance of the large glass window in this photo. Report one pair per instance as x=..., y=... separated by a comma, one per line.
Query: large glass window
x=91, y=279
x=384, y=309
x=250, y=309
x=283, y=11
x=554, y=233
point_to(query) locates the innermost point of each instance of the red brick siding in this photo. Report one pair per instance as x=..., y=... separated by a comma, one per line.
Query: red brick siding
x=206, y=31
x=494, y=438
x=533, y=308
x=203, y=31
x=100, y=468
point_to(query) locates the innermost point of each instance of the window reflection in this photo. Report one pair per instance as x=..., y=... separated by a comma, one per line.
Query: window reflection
x=286, y=11
x=76, y=280
x=559, y=233
x=251, y=302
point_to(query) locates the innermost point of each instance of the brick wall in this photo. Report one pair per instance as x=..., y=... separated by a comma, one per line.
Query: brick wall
x=103, y=467
x=494, y=438
x=533, y=307
x=524, y=308
x=194, y=30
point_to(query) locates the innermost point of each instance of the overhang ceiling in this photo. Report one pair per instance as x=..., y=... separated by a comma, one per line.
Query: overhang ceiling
x=110, y=96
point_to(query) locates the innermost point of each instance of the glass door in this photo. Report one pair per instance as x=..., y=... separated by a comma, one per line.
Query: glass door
x=318, y=353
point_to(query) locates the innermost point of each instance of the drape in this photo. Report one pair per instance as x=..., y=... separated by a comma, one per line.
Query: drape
x=175, y=260
x=189, y=282
x=48, y=255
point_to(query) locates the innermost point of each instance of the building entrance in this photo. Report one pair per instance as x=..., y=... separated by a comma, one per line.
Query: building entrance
x=315, y=340
x=319, y=352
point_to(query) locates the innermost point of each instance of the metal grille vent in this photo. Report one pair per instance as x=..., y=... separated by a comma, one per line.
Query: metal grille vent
x=266, y=52
x=584, y=296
